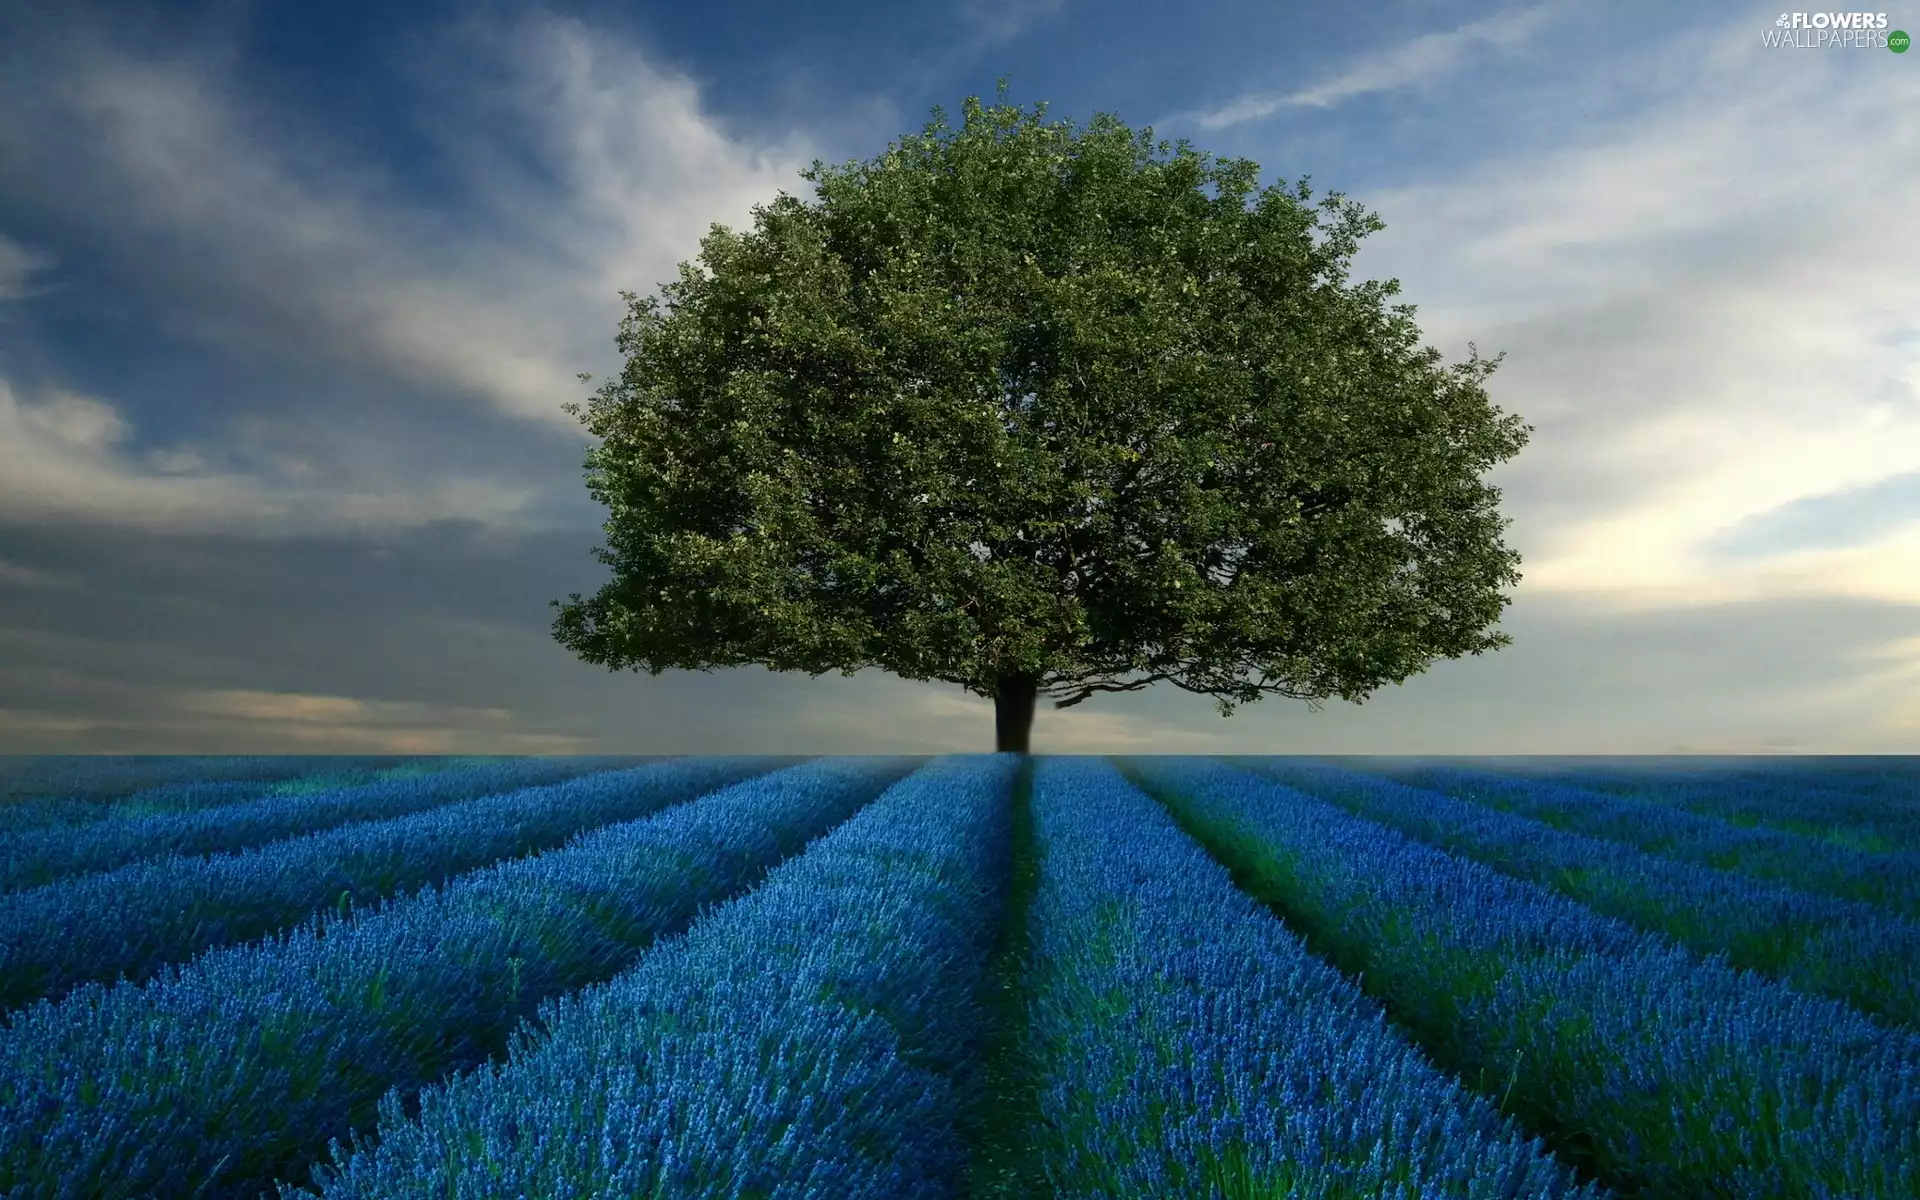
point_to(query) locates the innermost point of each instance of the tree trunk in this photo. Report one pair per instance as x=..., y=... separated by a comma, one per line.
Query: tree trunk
x=1013, y=712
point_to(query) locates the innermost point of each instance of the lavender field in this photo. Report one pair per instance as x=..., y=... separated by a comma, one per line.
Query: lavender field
x=969, y=976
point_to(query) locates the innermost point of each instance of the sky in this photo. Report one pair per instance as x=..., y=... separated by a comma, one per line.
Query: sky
x=292, y=296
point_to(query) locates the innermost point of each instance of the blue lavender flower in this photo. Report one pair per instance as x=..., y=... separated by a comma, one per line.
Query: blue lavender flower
x=1186, y=1044
x=1664, y=1073
x=1797, y=860
x=236, y=1068
x=132, y=920
x=1850, y=951
x=814, y=1038
x=37, y=856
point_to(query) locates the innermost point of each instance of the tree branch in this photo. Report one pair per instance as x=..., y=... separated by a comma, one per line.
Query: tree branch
x=1089, y=689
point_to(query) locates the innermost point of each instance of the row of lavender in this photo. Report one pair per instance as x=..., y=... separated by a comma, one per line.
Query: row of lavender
x=1865, y=954
x=1249, y=1065
x=823, y=1033
x=1665, y=821
x=1870, y=804
x=130, y=921
x=817, y=1038
x=1247, y=1062
x=1661, y=1071
x=42, y=792
x=42, y=854
x=34, y=778
x=221, y=1074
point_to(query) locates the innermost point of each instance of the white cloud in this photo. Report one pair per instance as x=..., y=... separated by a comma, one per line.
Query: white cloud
x=77, y=422
x=51, y=732
x=993, y=21
x=1703, y=307
x=130, y=717
x=17, y=264
x=326, y=711
x=1421, y=60
x=45, y=728
x=33, y=577
x=176, y=462
x=277, y=238
x=1702, y=319
x=65, y=457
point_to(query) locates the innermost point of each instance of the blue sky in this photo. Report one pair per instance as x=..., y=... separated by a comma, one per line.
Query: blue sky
x=291, y=297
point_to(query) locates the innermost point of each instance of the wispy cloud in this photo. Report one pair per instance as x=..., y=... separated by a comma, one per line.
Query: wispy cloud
x=994, y=21
x=18, y=575
x=1702, y=297
x=1700, y=326
x=382, y=732
x=274, y=236
x=1421, y=60
x=67, y=456
x=263, y=232
x=18, y=264
x=130, y=718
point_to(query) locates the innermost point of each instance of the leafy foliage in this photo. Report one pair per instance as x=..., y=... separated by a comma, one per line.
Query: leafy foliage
x=1017, y=401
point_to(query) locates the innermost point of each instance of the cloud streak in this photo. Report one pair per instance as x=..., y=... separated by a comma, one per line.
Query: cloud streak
x=273, y=237
x=1422, y=60
x=269, y=238
x=1701, y=328
x=67, y=457
x=1833, y=520
x=202, y=721
x=18, y=265
x=995, y=21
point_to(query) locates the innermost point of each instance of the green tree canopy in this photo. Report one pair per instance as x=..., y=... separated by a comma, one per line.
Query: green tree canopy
x=1035, y=412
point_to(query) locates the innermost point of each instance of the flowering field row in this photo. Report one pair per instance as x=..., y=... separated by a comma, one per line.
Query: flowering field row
x=812, y=1039
x=1183, y=1043
x=131, y=921
x=1804, y=863
x=70, y=791
x=983, y=977
x=1867, y=808
x=240, y=1066
x=1664, y=1073
x=32, y=857
x=1848, y=950
x=72, y=776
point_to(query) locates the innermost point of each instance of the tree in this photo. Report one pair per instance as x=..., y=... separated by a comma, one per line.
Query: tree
x=1030, y=411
